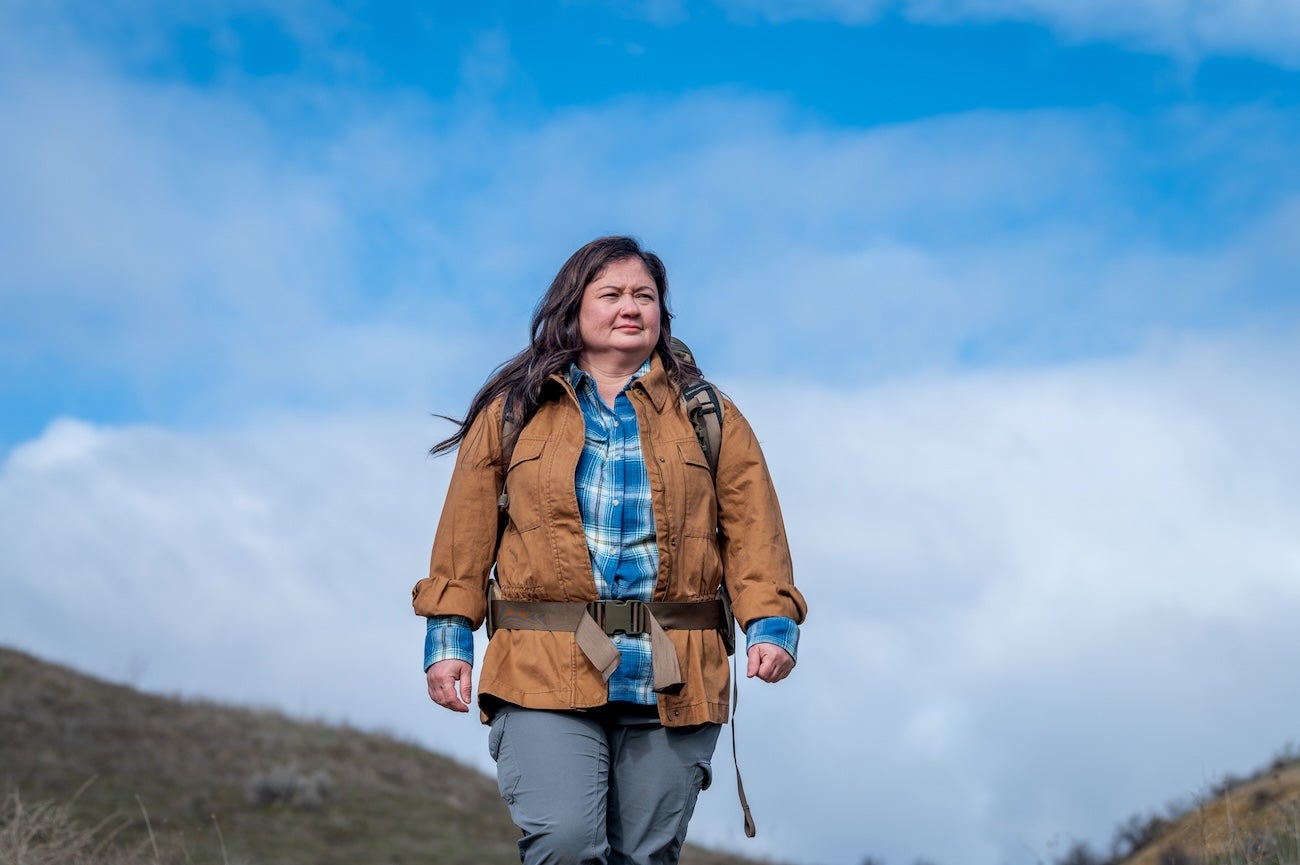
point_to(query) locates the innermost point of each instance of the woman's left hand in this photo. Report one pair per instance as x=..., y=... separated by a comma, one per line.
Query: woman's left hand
x=769, y=662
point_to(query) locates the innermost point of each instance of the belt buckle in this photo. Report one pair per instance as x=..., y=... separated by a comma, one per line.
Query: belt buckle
x=622, y=616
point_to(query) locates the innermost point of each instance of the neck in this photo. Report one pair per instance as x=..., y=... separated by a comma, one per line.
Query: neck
x=609, y=373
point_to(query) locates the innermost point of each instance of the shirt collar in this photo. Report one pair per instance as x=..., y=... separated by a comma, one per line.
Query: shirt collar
x=576, y=375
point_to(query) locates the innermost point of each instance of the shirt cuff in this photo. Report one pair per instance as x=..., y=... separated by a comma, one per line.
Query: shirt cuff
x=448, y=638
x=778, y=630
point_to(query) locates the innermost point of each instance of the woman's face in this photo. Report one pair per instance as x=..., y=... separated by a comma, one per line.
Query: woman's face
x=619, y=317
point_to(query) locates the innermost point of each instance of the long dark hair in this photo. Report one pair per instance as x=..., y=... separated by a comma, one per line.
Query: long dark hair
x=556, y=341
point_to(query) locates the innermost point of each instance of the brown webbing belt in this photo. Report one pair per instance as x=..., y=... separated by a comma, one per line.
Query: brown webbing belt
x=592, y=624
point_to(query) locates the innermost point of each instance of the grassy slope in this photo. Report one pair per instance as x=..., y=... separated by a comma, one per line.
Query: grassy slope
x=1252, y=821
x=190, y=765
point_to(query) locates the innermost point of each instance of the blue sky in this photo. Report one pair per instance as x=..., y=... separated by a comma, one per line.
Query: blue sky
x=1007, y=289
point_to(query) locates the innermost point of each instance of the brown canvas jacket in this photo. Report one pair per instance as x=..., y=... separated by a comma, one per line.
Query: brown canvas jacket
x=543, y=555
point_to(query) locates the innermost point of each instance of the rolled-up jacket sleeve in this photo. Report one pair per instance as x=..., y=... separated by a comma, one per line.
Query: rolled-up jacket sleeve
x=751, y=532
x=464, y=547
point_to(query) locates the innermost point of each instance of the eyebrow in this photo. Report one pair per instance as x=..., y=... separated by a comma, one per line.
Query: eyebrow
x=601, y=286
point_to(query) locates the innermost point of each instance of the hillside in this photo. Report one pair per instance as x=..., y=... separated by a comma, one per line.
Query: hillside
x=1255, y=821
x=230, y=785
x=1251, y=821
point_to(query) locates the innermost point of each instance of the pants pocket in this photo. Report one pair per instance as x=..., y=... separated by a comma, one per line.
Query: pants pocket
x=495, y=732
x=507, y=768
x=705, y=769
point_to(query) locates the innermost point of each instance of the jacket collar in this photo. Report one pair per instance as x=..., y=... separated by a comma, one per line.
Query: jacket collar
x=654, y=384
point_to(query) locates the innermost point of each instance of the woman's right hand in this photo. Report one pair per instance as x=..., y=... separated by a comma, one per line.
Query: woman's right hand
x=449, y=684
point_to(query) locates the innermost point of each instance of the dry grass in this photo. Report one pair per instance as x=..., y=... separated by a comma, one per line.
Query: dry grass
x=1254, y=822
x=45, y=833
x=179, y=782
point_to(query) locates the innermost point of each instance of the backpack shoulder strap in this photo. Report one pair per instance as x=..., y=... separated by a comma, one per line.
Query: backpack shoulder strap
x=509, y=424
x=704, y=408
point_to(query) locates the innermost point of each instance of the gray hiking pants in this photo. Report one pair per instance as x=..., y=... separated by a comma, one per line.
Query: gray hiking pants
x=599, y=788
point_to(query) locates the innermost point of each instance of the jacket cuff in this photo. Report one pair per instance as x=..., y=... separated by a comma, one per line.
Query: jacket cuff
x=448, y=638
x=778, y=630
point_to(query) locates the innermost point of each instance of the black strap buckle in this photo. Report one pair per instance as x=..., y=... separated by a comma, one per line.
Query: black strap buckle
x=627, y=616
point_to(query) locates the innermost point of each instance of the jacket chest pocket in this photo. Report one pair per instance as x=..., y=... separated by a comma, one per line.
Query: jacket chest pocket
x=699, y=506
x=524, y=483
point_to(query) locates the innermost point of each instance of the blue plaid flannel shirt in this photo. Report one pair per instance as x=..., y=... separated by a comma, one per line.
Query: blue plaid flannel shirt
x=618, y=518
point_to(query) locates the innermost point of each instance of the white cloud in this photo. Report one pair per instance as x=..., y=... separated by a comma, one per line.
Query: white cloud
x=187, y=247
x=149, y=34
x=267, y=565
x=1268, y=29
x=1033, y=588
x=1032, y=593
x=1191, y=29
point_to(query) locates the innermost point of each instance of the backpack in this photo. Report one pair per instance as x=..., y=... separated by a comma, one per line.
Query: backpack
x=704, y=409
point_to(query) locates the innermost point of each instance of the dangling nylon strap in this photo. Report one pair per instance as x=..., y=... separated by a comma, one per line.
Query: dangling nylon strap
x=663, y=660
x=598, y=648
x=750, y=829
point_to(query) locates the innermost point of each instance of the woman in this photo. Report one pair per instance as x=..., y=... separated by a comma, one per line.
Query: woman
x=605, y=680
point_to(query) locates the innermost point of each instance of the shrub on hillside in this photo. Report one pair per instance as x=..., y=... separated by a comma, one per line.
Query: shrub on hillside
x=286, y=785
x=1081, y=854
x=1136, y=833
x=1176, y=855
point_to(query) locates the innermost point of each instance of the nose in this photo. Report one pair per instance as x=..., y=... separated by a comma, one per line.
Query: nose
x=628, y=306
